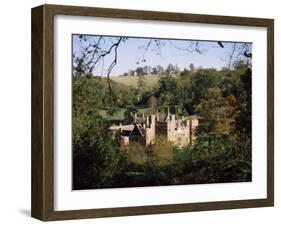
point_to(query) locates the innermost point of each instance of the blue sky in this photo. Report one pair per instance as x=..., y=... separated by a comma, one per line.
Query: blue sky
x=171, y=51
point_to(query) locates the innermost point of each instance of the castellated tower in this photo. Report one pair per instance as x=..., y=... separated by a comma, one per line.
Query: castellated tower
x=150, y=130
x=146, y=129
x=171, y=127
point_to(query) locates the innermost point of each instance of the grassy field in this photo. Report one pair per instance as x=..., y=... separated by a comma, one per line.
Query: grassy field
x=150, y=80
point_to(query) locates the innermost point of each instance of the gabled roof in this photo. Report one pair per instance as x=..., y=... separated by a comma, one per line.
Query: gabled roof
x=138, y=130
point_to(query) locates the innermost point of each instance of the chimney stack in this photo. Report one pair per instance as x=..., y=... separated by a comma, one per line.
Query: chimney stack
x=168, y=110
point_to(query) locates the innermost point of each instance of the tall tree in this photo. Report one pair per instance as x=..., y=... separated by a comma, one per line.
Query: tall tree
x=215, y=120
x=198, y=85
x=94, y=151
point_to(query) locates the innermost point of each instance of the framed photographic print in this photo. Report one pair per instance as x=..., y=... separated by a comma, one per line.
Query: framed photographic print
x=141, y=112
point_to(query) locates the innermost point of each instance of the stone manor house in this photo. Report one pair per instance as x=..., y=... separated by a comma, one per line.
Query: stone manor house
x=147, y=128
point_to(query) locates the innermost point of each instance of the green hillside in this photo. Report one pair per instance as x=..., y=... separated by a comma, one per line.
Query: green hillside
x=150, y=80
x=126, y=87
x=117, y=86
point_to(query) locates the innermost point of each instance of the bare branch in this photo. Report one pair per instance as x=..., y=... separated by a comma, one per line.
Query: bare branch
x=239, y=52
x=231, y=55
x=113, y=63
x=97, y=48
x=192, y=46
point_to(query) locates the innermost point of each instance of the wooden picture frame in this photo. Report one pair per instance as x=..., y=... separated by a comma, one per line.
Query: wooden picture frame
x=42, y=205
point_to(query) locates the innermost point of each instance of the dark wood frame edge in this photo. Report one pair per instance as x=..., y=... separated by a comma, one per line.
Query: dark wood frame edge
x=42, y=197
